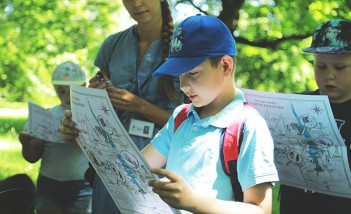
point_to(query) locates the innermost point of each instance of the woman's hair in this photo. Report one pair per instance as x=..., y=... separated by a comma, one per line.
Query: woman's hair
x=166, y=81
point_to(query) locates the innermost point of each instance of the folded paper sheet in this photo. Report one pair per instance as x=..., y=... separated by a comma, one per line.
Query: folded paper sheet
x=43, y=124
x=113, y=154
x=309, y=150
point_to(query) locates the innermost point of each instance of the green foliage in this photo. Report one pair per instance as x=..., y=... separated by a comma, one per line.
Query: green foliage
x=275, y=201
x=270, y=35
x=12, y=161
x=12, y=126
x=35, y=36
x=281, y=67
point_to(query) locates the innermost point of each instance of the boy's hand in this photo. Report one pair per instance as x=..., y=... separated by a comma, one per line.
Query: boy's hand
x=174, y=191
x=25, y=138
x=28, y=140
x=68, y=130
x=32, y=147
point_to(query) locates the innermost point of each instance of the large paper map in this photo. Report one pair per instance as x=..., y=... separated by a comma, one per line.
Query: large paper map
x=309, y=150
x=114, y=156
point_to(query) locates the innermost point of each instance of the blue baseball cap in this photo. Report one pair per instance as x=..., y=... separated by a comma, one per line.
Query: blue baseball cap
x=331, y=37
x=194, y=40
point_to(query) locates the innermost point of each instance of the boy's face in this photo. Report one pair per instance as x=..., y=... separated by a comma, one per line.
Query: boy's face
x=333, y=76
x=63, y=94
x=203, y=84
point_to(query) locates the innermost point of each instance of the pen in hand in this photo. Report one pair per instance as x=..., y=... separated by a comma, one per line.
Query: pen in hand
x=100, y=76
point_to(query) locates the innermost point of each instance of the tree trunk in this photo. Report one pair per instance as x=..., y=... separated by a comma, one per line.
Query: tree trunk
x=230, y=13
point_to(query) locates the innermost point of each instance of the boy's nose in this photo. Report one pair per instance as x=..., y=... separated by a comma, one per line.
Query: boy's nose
x=330, y=74
x=184, y=84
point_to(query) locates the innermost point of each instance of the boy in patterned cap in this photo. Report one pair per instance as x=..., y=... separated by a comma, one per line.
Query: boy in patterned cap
x=331, y=45
x=61, y=187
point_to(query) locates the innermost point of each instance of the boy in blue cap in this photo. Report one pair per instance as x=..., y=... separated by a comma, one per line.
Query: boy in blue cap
x=202, y=54
x=331, y=45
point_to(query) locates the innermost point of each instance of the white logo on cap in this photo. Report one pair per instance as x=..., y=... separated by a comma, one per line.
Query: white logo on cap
x=177, y=41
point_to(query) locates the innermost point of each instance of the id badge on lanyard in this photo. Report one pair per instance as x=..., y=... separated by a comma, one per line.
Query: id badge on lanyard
x=141, y=128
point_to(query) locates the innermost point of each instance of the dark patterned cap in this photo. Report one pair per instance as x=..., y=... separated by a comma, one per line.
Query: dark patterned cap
x=332, y=37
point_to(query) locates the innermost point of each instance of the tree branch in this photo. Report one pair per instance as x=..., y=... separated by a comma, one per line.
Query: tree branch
x=271, y=44
x=230, y=13
x=230, y=16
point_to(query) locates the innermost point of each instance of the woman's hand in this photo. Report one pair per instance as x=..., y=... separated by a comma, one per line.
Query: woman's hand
x=120, y=98
x=100, y=81
x=68, y=130
x=124, y=100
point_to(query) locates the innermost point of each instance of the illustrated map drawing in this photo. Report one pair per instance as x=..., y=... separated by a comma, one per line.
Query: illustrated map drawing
x=113, y=154
x=43, y=124
x=309, y=150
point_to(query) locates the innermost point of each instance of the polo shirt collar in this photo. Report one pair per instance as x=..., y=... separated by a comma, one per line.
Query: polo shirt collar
x=225, y=117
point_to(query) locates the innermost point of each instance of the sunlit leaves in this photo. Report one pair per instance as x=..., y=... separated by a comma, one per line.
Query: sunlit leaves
x=37, y=35
x=264, y=64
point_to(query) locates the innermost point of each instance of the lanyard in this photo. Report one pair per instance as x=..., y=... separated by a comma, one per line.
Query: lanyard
x=140, y=85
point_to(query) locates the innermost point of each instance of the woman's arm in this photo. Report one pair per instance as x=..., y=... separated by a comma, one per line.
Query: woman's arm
x=126, y=101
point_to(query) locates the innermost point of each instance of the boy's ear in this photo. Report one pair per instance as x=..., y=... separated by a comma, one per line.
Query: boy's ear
x=227, y=63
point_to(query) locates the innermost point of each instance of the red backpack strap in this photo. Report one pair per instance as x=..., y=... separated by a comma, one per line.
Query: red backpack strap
x=182, y=115
x=230, y=147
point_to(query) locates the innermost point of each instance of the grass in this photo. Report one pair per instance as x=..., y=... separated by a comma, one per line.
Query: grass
x=12, y=161
x=11, y=158
x=275, y=207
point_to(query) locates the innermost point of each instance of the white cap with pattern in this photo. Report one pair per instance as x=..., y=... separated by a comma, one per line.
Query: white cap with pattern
x=68, y=73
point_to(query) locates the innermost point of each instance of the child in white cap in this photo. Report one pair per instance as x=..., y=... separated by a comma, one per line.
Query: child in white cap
x=331, y=46
x=61, y=187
